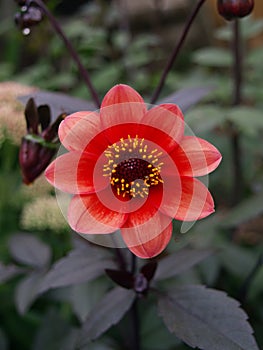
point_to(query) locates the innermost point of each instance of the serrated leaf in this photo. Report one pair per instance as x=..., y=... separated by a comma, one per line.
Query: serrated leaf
x=207, y=319
x=106, y=313
x=245, y=211
x=213, y=57
x=188, y=97
x=78, y=266
x=26, y=292
x=248, y=120
x=9, y=271
x=180, y=261
x=29, y=250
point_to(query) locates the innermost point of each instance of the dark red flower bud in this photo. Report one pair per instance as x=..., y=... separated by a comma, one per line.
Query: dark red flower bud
x=40, y=144
x=231, y=9
x=34, y=159
x=28, y=17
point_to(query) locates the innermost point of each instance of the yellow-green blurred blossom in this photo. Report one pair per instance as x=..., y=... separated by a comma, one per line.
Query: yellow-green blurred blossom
x=12, y=120
x=43, y=213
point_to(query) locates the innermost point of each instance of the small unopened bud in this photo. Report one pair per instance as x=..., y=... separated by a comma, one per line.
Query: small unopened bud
x=231, y=9
x=34, y=159
x=40, y=144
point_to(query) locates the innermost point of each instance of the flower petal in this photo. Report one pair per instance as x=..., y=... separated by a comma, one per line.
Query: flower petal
x=192, y=202
x=121, y=94
x=78, y=130
x=121, y=110
x=73, y=172
x=195, y=157
x=149, y=238
x=86, y=214
x=163, y=125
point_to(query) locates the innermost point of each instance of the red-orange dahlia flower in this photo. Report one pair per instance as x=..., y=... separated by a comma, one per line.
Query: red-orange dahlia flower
x=132, y=169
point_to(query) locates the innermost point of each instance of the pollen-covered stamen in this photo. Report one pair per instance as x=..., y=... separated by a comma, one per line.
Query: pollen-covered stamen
x=133, y=167
x=126, y=173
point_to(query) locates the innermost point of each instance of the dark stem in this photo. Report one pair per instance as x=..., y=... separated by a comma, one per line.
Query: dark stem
x=120, y=259
x=136, y=325
x=71, y=50
x=248, y=281
x=237, y=100
x=176, y=51
x=133, y=263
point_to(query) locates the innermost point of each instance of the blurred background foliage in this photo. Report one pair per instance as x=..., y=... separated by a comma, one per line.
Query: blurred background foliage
x=130, y=45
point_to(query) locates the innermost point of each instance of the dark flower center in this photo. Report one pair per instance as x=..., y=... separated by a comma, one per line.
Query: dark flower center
x=133, y=167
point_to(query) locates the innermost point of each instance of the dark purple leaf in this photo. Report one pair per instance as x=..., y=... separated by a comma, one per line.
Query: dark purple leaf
x=59, y=103
x=27, y=291
x=106, y=313
x=9, y=271
x=29, y=250
x=122, y=278
x=188, y=97
x=149, y=270
x=78, y=266
x=180, y=261
x=84, y=296
x=207, y=319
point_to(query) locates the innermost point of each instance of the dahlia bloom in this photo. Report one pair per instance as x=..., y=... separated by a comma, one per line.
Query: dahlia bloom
x=133, y=170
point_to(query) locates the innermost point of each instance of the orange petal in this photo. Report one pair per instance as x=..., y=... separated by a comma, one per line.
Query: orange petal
x=150, y=238
x=121, y=94
x=163, y=125
x=121, y=111
x=192, y=202
x=78, y=130
x=195, y=157
x=86, y=214
x=73, y=173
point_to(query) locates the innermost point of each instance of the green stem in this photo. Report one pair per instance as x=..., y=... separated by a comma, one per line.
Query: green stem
x=70, y=48
x=176, y=51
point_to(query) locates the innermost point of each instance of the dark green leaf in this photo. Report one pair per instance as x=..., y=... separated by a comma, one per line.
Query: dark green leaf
x=3, y=341
x=55, y=334
x=106, y=313
x=247, y=119
x=205, y=118
x=213, y=57
x=238, y=260
x=27, y=291
x=180, y=261
x=29, y=250
x=9, y=271
x=245, y=211
x=78, y=266
x=207, y=319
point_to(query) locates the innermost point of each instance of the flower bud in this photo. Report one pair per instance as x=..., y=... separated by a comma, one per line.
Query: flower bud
x=231, y=9
x=28, y=17
x=40, y=144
